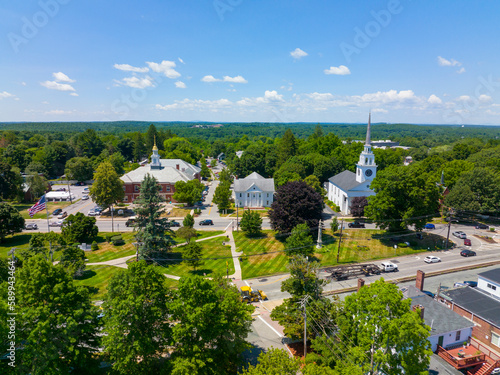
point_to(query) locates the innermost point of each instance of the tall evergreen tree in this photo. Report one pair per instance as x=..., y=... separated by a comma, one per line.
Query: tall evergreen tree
x=154, y=234
x=287, y=147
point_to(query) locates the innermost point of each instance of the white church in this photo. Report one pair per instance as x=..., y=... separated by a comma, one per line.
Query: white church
x=343, y=187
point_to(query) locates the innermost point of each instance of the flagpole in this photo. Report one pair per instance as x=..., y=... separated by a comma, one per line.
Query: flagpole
x=48, y=228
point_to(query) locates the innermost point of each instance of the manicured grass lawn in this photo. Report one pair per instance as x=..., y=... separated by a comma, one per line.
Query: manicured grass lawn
x=214, y=254
x=264, y=256
x=179, y=212
x=97, y=278
x=51, y=206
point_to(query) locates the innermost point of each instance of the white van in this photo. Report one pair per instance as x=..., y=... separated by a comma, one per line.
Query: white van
x=388, y=267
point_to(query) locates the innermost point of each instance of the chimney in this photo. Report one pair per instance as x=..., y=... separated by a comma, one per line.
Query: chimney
x=177, y=166
x=361, y=283
x=419, y=284
x=419, y=308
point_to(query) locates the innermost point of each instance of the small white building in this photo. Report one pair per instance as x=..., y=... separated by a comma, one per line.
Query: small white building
x=254, y=191
x=59, y=196
x=489, y=281
x=343, y=187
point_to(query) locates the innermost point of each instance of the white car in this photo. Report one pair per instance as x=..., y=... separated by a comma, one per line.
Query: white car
x=92, y=213
x=389, y=267
x=432, y=259
x=495, y=371
x=459, y=234
x=85, y=197
x=58, y=223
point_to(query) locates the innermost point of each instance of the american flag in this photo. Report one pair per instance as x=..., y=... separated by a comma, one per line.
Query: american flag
x=37, y=207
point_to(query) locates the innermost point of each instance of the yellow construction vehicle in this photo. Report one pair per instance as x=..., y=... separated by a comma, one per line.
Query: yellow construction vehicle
x=248, y=295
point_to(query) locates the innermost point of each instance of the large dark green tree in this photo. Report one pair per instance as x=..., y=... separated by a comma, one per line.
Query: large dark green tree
x=192, y=254
x=405, y=195
x=274, y=362
x=295, y=203
x=79, y=228
x=10, y=181
x=287, y=147
x=300, y=241
x=251, y=223
x=11, y=220
x=155, y=235
x=73, y=260
x=56, y=322
x=188, y=192
x=212, y=326
x=79, y=168
x=136, y=318
x=222, y=196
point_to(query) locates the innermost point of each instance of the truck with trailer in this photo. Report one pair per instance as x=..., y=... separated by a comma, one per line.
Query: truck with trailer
x=352, y=270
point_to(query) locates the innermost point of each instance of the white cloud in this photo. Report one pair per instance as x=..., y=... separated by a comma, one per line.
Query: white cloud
x=379, y=110
x=237, y=79
x=53, y=85
x=297, y=53
x=136, y=82
x=23, y=83
x=433, y=99
x=342, y=70
x=273, y=95
x=180, y=85
x=484, y=98
x=463, y=98
x=444, y=62
x=5, y=94
x=165, y=67
x=210, y=78
x=181, y=60
x=57, y=112
x=196, y=104
x=387, y=96
x=461, y=70
x=74, y=94
x=130, y=68
x=320, y=96
x=61, y=77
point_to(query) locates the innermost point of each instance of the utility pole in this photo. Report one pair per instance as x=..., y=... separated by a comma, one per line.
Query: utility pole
x=340, y=239
x=449, y=228
x=303, y=303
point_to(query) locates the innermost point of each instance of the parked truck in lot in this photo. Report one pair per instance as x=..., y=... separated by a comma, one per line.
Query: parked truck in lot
x=351, y=270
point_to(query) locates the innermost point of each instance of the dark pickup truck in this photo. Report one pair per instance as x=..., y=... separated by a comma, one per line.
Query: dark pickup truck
x=356, y=224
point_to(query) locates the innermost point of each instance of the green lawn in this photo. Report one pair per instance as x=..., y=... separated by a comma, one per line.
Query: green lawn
x=215, y=256
x=264, y=256
x=97, y=278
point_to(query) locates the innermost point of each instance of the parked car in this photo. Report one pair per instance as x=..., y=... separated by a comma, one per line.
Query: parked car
x=86, y=189
x=429, y=226
x=93, y=212
x=389, y=267
x=85, y=197
x=467, y=253
x=356, y=224
x=459, y=234
x=174, y=223
x=57, y=211
x=61, y=189
x=495, y=371
x=62, y=215
x=432, y=259
x=206, y=222
x=467, y=242
x=482, y=226
x=31, y=226
x=80, y=184
x=452, y=219
x=430, y=294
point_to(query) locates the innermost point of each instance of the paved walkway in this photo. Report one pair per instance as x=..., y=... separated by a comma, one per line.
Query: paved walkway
x=236, y=255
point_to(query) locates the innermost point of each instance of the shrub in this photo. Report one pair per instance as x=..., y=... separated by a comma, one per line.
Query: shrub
x=118, y=242
x=109, y=236
x=402, y=244
x=94, y=246
x=337, y=209
x=492, y=229
x=116, y=238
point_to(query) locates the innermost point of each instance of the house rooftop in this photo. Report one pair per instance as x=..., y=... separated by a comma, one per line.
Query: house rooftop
x=492, y=275
x=345, y=180
x=264, y=184
x=478, y=302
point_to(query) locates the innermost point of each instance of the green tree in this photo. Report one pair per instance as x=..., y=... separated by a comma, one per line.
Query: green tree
x=35, y=168
x=188, y=221
x=10, y=183
x=79, y=228
x=154, y=233
x=378, y=330
x=222, y=196
x=295, y=203
x=191, y=253
x=37, y=185
x=274, y=362
x=188, y=192
x=212, y=325
x=11, y=219
x=186, y=233
x=405, y=195
x=300, y=241
x=251, y=223
x=205, y=172
x=477, y=190
x=56, y=322
x=107, y=188
x=73, y=260
x=334, y=224
x=287, y=147
x=136, y=319
x=314, y=182
x=79, y=168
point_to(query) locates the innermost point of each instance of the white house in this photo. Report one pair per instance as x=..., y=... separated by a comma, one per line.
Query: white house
x=489, y=281
x=254, y=191
x=343, y=187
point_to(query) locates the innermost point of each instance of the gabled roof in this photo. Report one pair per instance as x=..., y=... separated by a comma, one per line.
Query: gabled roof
x=168, y=173
x=480, y=303
x=264, y=184
x=492, y=275
x=440, y=318
x=345, y=180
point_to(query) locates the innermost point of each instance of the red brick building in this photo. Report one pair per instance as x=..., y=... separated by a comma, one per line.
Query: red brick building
x=166, y=171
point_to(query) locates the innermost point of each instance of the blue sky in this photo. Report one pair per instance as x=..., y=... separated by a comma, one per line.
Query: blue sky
x=250, y=60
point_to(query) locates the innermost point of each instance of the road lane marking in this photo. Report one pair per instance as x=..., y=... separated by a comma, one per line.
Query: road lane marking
x=270, y=326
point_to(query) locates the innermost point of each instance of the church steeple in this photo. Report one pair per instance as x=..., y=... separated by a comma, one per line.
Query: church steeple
x=366, y=169
x=155, y=158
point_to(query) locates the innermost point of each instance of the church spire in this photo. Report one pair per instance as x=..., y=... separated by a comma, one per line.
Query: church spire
x=154, y=147
x=368, y=141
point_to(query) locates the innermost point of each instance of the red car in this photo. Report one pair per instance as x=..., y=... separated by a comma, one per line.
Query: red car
x=467, y=242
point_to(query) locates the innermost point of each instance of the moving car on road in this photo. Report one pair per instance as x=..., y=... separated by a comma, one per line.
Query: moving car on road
x=58, y=223
x=482, y=226
x=356, y=224
x=174, y=223
x=459, y=234
x=206, y=222
x=30, y=226
x=432, y=259
x=429, y=226
x=57, y=211
x=389, y=267
x=467, y=253
x=62, y=215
